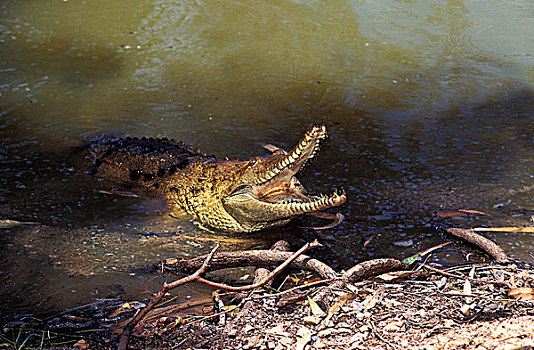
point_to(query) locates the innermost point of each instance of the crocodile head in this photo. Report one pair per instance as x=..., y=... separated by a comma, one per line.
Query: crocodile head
x=268, y=194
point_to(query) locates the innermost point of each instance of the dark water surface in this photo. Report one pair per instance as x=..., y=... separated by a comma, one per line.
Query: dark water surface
x=429, y=107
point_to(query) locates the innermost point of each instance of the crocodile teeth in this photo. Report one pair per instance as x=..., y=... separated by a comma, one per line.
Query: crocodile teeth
x=319, y=203
x=304, y=150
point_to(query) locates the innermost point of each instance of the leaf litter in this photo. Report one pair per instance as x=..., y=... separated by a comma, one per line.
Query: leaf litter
x=423, y=310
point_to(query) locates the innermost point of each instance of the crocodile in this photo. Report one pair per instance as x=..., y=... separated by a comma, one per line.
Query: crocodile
x=227, y=195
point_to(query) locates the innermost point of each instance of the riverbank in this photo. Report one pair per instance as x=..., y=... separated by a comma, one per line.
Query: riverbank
x=473, y=306
x=402, y=310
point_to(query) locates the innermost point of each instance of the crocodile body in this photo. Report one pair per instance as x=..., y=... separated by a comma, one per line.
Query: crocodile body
x=228, y=195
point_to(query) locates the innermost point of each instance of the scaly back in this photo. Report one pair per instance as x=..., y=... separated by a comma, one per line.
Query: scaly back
x=143, y=161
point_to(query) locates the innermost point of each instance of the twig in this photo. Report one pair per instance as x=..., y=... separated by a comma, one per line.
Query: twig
x=123, y=343
x=481, y=280
x=230, y=309
x=255, y=297
x=267, y=278
x=264, y=258
x=380, y=337
x=428, y=332
x=127, y=330
x=304, y=286
x=261, y=272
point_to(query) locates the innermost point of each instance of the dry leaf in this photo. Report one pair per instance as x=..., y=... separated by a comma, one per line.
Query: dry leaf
x=303, y=337
x=448, y=214
x=395, y=275
x=229, y=307
x=472, y=272
x=271, y=148
x=454, y=292
x=459, y=212
x=119, y=330
x=465, y=310
x=303, y=332
x=315, y=308
x=370, y=301
x=118, y=193
x=15, y=223
x=295, y=280
x=277, y=331
x=366, y=243
x=81, y=344
x=528, y=229
x=311, y=320
x=312, y=280
x=521, y=293
x=394, y=326
x=469, y=211
x=164, y=320
x=466, y=306
x=254, y=341
x=340, y=301
x=126, y=307
x=467, y=285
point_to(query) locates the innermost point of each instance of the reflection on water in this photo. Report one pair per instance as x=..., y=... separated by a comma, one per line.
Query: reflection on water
x=429, y=107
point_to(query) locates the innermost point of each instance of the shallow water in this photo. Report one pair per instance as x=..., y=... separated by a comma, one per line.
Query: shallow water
x=429, y=107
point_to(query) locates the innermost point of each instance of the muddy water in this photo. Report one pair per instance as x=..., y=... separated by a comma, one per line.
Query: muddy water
x=429, y=107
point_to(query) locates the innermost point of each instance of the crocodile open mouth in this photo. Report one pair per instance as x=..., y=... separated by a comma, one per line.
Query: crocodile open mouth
x=282, y=189
x=276, y=192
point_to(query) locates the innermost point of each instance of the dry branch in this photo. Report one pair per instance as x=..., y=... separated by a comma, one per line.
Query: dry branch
x=267, y=278
x=485, y=244
x=370, y=268
x=127, y=331
x=481, y=280
x=261, y=272
x=360, y=272
x=259, y=258
x=195, y=277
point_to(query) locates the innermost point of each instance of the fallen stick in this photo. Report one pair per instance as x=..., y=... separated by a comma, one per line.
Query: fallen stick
x=360, y=272
x=370, y=268
x=195, y=277
x=481, y=280
x=263, y=258
x=127, y=330
x=265, y=279
x=261, y=272
x=485, y=244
